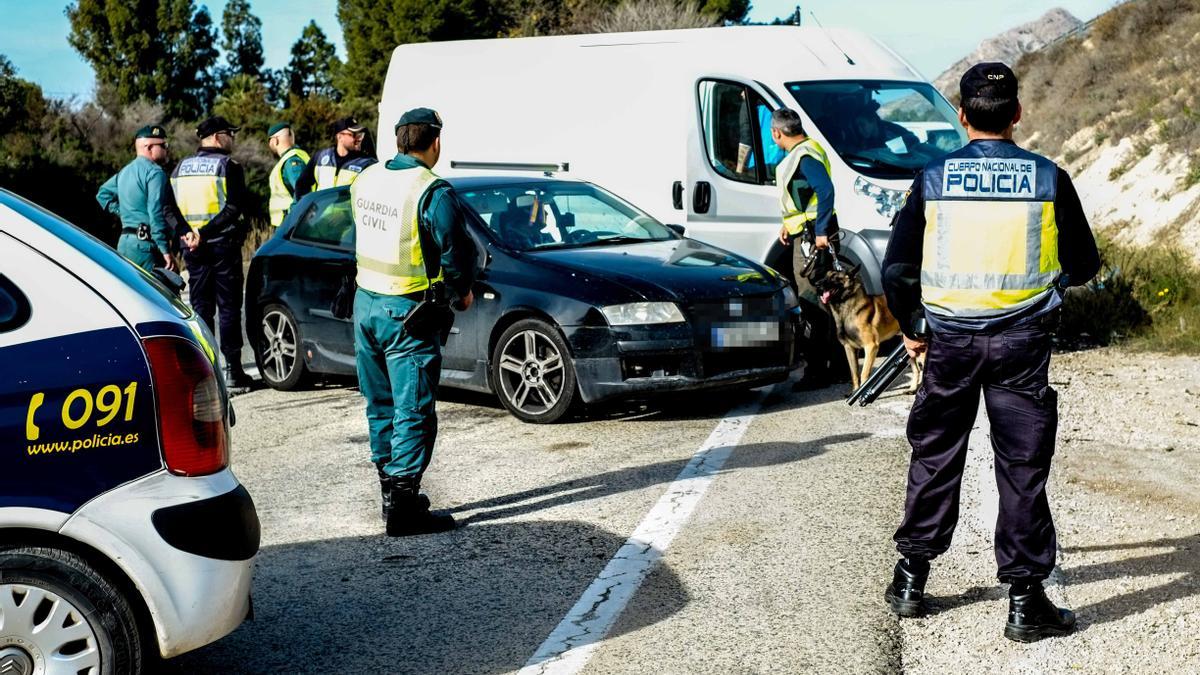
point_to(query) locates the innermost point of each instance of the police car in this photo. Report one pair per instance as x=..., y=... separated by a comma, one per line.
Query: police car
x=123, y=531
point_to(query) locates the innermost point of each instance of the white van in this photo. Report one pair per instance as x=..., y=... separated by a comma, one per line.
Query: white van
x=678, y=122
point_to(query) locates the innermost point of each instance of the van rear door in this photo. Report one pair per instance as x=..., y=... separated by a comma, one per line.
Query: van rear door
x=730, y=197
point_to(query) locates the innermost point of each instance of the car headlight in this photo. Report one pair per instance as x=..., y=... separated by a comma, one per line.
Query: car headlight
x=642, y=313
x=887, y=200
x=790, y=299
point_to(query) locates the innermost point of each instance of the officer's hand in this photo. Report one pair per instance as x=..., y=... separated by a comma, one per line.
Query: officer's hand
x=914, y=347
x=821, y=243
x=783, y=236
x=191, y=240
x=169, y=262
x=464, y=303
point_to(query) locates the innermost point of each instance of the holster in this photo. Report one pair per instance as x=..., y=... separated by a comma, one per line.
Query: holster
x=432, y=316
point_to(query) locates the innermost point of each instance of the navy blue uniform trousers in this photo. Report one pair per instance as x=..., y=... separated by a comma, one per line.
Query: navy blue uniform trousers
x=1010, y=368
x=215, y=282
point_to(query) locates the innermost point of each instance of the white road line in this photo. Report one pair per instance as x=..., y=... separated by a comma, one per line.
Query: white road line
x=571, y=644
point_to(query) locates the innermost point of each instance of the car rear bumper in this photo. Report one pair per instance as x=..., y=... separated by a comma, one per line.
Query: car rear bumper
x=650, y=361
x=187, y=544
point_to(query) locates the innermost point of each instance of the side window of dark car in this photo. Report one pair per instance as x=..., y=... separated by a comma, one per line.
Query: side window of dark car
x=328, y=221
x=14, y=306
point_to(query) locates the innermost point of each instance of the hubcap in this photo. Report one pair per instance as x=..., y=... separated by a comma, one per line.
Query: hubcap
x=279, y=352
x=42, y=632
x=532, y=376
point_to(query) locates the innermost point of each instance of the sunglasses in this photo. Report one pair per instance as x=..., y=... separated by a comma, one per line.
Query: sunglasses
x=164, y=146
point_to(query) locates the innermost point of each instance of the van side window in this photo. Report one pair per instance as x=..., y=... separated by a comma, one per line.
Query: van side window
x=737, y=132
x=14, y=306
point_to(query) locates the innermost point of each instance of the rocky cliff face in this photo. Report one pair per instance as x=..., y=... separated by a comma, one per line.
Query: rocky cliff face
x=1010, y=45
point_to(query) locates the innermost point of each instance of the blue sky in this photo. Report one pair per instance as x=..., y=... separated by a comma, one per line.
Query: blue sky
x=33, y=34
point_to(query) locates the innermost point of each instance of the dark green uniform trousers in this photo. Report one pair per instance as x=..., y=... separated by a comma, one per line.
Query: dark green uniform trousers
x=398, y=374
x=144, y=254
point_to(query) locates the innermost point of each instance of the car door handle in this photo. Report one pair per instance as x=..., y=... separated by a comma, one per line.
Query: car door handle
x=677, y=194
x=702, y=197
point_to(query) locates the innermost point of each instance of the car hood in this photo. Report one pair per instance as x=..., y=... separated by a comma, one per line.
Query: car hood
x=675, y=269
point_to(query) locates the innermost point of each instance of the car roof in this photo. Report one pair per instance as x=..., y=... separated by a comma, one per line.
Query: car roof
x=502, y=180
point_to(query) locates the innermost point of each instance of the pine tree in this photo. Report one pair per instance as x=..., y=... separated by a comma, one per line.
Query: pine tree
x=241, y=40
x=314, y=65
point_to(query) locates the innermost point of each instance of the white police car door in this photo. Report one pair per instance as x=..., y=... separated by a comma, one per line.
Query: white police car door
x=76, y=406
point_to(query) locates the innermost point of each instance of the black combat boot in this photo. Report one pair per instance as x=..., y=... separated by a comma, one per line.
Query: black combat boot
x=906, y=594
x=235, y=377
x=385, y=491
x=1031, y=615
x=409, y=514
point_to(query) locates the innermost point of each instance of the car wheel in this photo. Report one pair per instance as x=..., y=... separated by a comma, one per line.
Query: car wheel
x=532, y=372
x=279, y=361
x=60, y=615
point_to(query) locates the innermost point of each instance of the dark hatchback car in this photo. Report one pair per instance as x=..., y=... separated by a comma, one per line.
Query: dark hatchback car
x=581, y=298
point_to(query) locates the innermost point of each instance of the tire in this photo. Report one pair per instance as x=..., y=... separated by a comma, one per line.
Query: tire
x=97, y=628
x=540, y=388
x=278, y=334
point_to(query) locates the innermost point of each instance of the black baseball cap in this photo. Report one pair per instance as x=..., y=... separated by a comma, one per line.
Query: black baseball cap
x=420, y=116
x=346, y=124
x=214, y=125
x=988, y=80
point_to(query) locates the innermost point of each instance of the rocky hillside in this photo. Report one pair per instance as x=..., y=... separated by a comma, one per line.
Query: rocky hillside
x=1010, y=46
x=1117, y=106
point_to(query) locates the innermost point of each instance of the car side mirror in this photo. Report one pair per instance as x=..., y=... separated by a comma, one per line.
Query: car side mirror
x=677, y=228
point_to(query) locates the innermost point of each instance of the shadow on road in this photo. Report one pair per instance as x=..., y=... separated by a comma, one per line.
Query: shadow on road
x=476, y=600
x=638, y=477
x=1182, y=561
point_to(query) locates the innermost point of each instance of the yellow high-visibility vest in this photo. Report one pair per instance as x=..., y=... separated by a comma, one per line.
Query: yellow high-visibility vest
x=795, y=218
x=991, y=238
x=281, y=200
x=327, y=174
x=199, y=186
x=386, y=208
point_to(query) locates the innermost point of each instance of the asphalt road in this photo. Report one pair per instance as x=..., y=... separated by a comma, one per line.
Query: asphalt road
x=771, y=556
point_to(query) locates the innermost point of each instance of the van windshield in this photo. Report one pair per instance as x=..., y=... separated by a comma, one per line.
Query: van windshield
x=882, y=129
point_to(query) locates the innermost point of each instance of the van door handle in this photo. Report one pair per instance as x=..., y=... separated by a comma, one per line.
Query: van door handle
x=677, y=194
x=701, y=197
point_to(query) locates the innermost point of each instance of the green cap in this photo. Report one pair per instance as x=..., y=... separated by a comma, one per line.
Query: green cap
x=420, y=116
x=277, y=127
x=152, y=131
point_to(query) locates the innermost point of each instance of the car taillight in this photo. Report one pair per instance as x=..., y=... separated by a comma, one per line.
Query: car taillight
x=190, y=411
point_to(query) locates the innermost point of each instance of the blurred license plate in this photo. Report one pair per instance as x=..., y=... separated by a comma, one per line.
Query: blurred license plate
x=746, y=334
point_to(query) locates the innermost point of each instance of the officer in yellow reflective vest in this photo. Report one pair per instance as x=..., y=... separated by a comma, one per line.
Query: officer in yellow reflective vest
x=806, y=203
x=339, y=164
x=988, y=237
x=286, y=171
x=210, y=191
x=415, y=259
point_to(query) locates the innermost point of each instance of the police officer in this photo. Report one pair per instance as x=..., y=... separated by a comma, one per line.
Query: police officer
x=210, y=190
x=286, y=171
x=137, y=194
x=411, y=242
x=339, y=164
x=988, y=237
x=806, y=201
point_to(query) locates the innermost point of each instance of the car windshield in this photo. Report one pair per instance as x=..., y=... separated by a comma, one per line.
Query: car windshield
x=560, y=214
x=882, y=129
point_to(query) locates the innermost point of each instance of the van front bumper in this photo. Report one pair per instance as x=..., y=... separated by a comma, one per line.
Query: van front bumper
x=188, y=546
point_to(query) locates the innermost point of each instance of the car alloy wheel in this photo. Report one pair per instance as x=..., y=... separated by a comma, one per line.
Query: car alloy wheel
x=532, y=372
x=280, y=354
x=42, y=632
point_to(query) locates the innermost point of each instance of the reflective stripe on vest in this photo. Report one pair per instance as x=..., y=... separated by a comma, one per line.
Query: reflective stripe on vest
x=281, y=199
x=199, y=186
x=326, y=173
x=386, y=207
x=991, y=239
x=794, y=219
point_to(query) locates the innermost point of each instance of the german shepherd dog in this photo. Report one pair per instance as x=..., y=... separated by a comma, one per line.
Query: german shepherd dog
x=863, y=322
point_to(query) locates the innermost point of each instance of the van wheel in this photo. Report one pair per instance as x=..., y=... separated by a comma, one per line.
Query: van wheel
x=533, y=373
x=62, y=616
x=278, y=355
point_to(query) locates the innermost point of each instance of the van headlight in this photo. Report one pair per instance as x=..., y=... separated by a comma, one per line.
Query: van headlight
x=642, y=313
x=887, y=200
